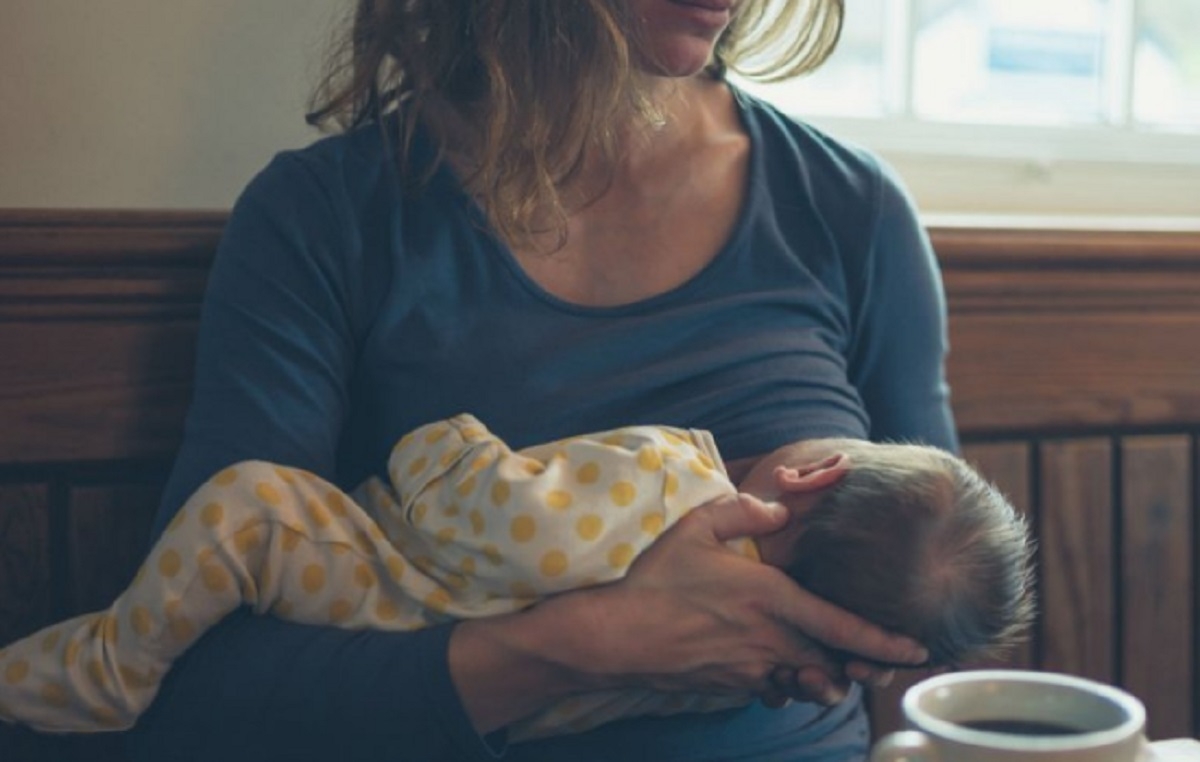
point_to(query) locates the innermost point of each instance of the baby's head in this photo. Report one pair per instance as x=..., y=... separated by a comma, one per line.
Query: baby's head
x=909, y=537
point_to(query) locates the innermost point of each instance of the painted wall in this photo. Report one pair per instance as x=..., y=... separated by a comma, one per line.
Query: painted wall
x=177, y=103
x=151, y=103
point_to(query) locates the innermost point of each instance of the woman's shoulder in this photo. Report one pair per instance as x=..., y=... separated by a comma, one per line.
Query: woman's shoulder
x=789, y=139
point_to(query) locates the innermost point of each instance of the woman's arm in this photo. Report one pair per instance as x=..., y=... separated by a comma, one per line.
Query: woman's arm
x=278, y=338
x=898, y=353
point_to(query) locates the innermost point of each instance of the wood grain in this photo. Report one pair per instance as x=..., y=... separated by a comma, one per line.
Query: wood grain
x=26, y=584
x=1156, y=580
x=1077, y=558
x=108, y=539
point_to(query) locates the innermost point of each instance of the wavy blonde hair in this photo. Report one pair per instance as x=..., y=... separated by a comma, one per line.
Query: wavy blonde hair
x=542, y=84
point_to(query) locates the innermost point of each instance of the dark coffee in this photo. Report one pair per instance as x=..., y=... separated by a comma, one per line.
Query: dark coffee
x=1022, y=727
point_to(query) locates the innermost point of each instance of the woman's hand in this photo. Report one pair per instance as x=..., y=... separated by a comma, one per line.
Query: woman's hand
x=691, y=615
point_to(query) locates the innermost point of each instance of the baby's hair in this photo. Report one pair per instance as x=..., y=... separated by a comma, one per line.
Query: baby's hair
x=913, y=539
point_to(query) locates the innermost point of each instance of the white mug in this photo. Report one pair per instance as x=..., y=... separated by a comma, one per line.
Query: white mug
x=1010, y=715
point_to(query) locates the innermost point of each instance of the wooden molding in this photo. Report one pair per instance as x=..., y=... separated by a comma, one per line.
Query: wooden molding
x=1051, y=330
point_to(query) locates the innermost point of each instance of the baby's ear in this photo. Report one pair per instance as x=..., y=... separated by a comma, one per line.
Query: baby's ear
x=812, y=477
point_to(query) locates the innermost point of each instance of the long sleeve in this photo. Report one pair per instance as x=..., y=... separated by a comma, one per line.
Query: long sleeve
x=279, y=332
x=897, y=358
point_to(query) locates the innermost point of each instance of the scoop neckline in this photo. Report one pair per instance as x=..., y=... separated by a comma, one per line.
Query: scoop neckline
x=726, y=252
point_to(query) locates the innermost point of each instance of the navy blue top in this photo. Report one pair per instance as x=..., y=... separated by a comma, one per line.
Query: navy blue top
x=345, y=309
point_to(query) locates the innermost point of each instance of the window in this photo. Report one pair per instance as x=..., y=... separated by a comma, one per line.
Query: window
x=1090, y=80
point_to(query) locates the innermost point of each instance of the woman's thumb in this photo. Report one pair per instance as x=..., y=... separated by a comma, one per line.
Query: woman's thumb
x=744, y=516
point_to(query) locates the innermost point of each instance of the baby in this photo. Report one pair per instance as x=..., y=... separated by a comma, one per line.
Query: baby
x=906, y=536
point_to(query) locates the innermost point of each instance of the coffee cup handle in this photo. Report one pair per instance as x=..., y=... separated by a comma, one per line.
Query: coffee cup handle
x=906, y=745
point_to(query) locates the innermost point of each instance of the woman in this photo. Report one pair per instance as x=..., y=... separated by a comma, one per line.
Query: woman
x=558, y=215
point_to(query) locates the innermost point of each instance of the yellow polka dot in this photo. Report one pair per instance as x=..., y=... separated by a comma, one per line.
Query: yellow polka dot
x=71, y=653
x=141, y=621
x=446, y=536
x=204, y=555
x=523, y=528
x=386, y=610
x=340, y=610
x=364, y=542
x=471, y=433
x=289, y=538
x=339, y=549
x=553, y=564
x=622, y=493
x=247, y=540
x=226, y=477
x=134, y=679
x=436, y=435
x=424, y=564
x=55, y=695
x=614, y=440
x=480, y=463
x=169, y=563
x=501, y=491
x=418, y=465
x=318, y=514
x=467, y=565
x=456, y=581
x=212, y=514
x=466, y=486
x=652, y=524
x=395, y=567
x=216, y=579
x=104, y=716
x=697, y=467
x=478, y=525
x=588, y=473
x=16, y=672
x=649, y=459
x=447, y=458
x=419, y=512
x=706, y=461
x=286, y=475
x=50, y=642
x=672, y=485
x=96, y=673
x=312, y=579
x=181, y=628
x=620, y=556
x=438, y=600
x=364, y=576
x=558, y=500
x=493, y=554
x=110, y=629
x=532, y=467
x=268, y=494
x=336, y=502
x=451, y=510
x=589, y=527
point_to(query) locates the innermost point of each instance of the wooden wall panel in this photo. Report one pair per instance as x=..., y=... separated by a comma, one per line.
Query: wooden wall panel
x=1077, y=560
x=1062, y=341
x=107, y=540
x=26, y=579
x=1156, y=578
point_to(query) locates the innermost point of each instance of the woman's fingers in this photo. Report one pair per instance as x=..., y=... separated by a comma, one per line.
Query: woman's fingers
x=839, y=630
x=737, y=516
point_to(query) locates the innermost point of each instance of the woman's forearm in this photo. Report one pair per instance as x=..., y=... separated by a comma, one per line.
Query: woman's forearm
x=259, y=688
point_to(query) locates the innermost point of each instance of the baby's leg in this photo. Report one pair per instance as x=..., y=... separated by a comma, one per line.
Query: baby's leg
x=255, y=534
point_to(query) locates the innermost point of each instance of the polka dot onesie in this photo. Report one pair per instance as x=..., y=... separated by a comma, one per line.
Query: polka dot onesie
x=463, y=527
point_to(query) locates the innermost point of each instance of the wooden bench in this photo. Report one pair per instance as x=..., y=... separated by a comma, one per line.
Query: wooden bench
x=1075, y=367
